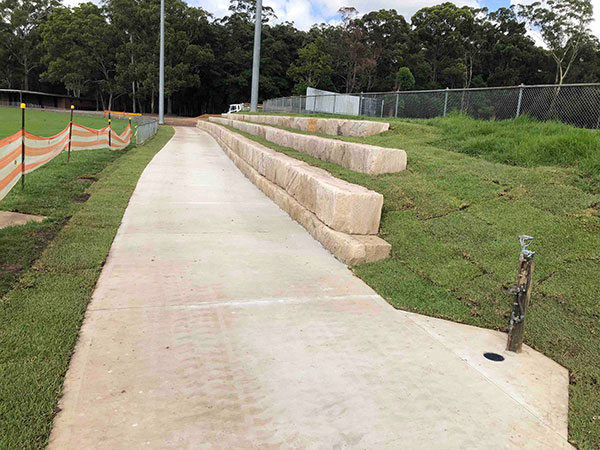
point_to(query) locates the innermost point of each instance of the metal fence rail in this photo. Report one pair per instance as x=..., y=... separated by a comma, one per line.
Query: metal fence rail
x=574, y=104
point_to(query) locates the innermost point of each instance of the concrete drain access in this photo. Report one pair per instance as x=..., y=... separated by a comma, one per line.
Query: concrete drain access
x=493, y=357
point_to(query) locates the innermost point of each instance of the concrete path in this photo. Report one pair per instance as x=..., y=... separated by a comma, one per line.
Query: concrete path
x=218, y=322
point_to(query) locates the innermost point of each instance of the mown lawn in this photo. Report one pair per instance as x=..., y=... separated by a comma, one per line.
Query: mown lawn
x=49, y=123
x=42, y=307
x=453, y=218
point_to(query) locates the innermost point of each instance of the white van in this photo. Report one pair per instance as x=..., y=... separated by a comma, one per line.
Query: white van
x=237, y=107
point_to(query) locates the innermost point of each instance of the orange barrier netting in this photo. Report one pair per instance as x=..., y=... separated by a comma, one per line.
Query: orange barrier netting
x=40, y=150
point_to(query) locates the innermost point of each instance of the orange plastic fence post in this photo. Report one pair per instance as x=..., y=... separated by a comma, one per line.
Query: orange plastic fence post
x=22, y=145
x=70, y=134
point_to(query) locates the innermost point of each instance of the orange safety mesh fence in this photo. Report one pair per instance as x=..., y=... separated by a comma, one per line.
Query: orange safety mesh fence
x=40, y=150
x=119, y=114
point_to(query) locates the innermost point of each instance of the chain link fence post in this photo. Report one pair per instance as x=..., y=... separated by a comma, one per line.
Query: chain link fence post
x=446, y=102
x=360, y=104
x=521, y=86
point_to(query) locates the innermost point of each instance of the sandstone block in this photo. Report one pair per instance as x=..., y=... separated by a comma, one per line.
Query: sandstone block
x=333, y=127
x=343, y=206
x=362, y=158
x=350, y=249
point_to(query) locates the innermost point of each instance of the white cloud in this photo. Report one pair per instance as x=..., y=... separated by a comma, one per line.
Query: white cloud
x=72, y=3
x=305, y=13
x=300, y=12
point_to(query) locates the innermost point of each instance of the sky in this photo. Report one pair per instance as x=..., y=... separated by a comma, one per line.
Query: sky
x=305, y=13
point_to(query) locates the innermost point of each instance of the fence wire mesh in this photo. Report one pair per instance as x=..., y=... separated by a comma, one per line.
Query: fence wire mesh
x=574, y=104
x=146, y=128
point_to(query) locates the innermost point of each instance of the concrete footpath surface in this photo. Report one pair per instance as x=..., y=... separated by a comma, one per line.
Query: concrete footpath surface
x=218, y=322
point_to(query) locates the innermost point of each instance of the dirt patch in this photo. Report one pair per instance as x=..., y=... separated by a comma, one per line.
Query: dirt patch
x=11, y=219
x=11, y=268
x=81, y=198
x=46, y=234
x=88, y=178
x=12, y=265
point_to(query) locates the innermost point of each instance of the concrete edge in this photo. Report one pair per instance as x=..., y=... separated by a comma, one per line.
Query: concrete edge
x=350, y=249
x=533, y=380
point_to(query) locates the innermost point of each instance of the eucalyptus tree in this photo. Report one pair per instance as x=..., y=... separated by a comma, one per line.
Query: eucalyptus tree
x=20, y=35
x=313, y=67
x=563, y=25
x=442, y=33
x=79, y=47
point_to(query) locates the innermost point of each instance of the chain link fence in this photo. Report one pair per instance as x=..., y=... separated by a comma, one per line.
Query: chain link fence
x=146, y=128
x=574, y=104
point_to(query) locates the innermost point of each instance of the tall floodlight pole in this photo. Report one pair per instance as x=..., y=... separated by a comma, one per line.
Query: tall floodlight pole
x=256, y=58
x=161, y=82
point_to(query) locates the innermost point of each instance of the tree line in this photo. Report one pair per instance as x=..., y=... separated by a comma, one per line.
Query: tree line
x=110, y=52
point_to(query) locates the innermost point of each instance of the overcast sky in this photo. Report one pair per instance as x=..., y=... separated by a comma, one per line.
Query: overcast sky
x=305, y=13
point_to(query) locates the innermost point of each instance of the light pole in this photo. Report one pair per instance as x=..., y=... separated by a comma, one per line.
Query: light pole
x=161, y=76
x=256, y=56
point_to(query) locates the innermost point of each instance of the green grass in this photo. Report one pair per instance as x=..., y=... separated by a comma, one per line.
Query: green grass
x=453, y=221
x=49, y=123
x=54, y=191
x=523, y=142
x=41, y=312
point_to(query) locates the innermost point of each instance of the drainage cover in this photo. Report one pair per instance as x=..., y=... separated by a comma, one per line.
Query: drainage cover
x=494, y=357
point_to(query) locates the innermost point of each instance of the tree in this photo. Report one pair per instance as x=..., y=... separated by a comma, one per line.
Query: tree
x=352, y=57
x=312, y=68
x=443, y=33
x=405, y=81
x=20, y=26
x=386, y=35
x=508, y=53
x=247, y=8
x=79, y=47
x=563, y=26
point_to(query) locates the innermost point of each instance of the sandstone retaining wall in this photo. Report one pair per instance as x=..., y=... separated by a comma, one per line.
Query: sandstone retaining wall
x=344, y=217
x=354, y=156
x=334, y=127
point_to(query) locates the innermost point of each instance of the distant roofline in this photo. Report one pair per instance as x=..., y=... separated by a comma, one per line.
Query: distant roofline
x=21, y=91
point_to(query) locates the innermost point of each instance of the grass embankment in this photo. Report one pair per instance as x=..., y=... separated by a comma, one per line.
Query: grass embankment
x=41, y=313
x=453, y=222
x=523, y=142
x=55, y=191
x=49, y=123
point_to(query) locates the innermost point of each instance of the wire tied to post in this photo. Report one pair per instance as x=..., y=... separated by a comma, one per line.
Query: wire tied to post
x=526, y=242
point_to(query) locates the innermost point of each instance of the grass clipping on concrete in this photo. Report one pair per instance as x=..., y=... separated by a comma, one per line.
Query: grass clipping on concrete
x=41, y=312
x=453, y=221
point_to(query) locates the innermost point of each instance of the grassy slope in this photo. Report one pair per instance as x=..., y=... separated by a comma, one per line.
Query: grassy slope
x=50, y=191
x=49, y=123
x=40, y=316
x=54, y=191
x=453, y=222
